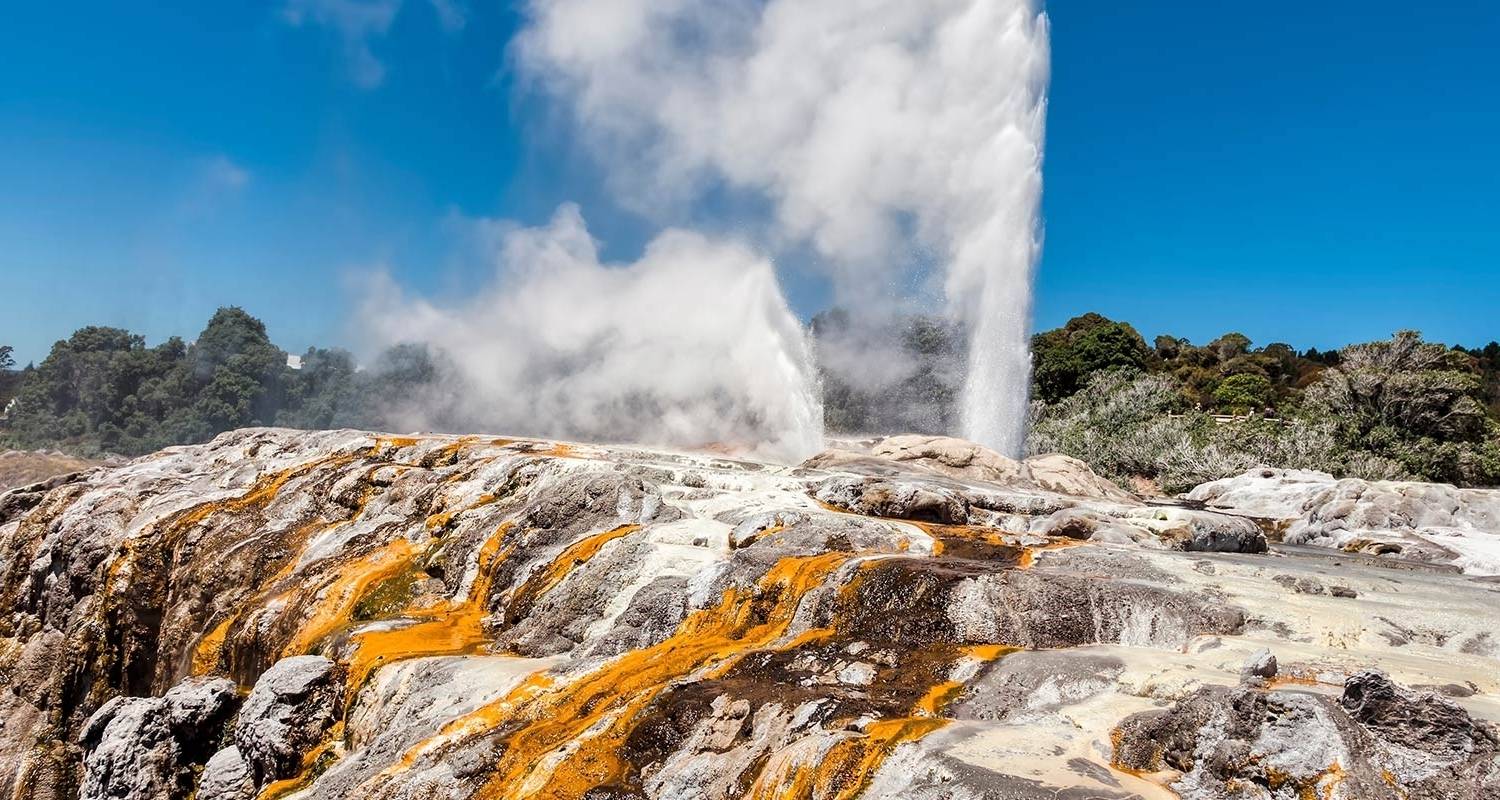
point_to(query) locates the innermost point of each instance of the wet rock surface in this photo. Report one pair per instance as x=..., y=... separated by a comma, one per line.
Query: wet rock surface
x=285, y=716
x=346, y=615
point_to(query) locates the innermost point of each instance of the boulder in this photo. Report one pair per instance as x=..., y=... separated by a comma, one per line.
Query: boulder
x=1222, y=533
x=1379, y=741
x=1418, y=720
x=912, y=455
x=226, y=776
x=894, y=499
x=1261, y=664
x=1070, y=476
x=954, y=457
x=285, y=716
x=1413, y=520
x=145, y=748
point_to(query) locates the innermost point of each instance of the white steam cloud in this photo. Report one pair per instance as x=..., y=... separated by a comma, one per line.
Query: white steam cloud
x=691, y=345
x=879, y=128
x=900, y=139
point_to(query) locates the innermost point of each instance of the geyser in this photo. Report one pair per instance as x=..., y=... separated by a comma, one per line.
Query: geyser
x=691, y=345
x=898, y=143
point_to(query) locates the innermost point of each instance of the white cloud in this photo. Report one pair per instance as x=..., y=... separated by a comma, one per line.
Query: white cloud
x=223, y=174
x=356, y=22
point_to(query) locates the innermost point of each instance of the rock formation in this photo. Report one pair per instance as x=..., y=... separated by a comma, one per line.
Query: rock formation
x=1417, y=521
x=1378, y=741
x=346, y=615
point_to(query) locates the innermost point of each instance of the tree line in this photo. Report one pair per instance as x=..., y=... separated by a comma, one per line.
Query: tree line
x=102, y=390
x=1403, y=408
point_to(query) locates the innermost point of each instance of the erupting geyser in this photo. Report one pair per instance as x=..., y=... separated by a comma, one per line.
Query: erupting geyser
x=898, y=143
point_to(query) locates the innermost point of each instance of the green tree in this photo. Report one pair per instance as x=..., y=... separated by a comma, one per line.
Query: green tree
x=1229, y=346
x=1415, y=402
x=239, y=371
x=83, y=395
x=103, y=390
x=1168, y=347
x=6, y=359
x=1065, y=358
x=321, y=393
x=1243, y=393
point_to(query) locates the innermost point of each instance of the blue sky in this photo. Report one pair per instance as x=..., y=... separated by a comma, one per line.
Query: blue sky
x=1316, y=173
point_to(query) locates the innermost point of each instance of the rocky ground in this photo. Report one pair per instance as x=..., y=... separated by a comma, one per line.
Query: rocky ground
x=1416, y=521
x=340, y=614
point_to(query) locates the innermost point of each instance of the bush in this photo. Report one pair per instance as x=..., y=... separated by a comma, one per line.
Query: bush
x=1130, y=425
x=1414, y=403
x=1066, y=358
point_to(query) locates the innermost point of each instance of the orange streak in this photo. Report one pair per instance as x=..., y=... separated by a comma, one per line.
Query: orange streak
x=450, y=628
x=570, y=735
x=347, y=587
x=574, y=554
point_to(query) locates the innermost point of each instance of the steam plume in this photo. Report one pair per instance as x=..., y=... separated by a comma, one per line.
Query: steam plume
x=878, y=129
x=899, y=140
x=693, y=344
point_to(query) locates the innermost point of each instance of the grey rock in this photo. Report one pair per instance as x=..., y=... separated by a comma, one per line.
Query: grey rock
x=145, y=748
x=1028, y=681
x=291, y=706
x=1261, y=664
x=1401, y=518
x=226, y=776
x=894, y=499
x=1418, y=720
x=1300, y=585
x=803, y=628
x=1379, y=742
x=1070, y=523
x=1222, y=533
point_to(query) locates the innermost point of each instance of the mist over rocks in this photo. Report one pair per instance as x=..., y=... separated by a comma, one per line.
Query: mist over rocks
x=690, y=345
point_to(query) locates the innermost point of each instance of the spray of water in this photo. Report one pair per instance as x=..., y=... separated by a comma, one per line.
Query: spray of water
x=877, y=128
x=899, y=141
x=690, y=345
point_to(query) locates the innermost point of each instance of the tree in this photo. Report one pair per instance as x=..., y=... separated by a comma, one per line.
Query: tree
x=1415, y=402
x=6, y=360
x=238, y=372
x=1230, y=345
x=80, y=393
x=322, y=393
x=1168, y=347
x=103, y=390
x=1243, y=393
x=1065, y=358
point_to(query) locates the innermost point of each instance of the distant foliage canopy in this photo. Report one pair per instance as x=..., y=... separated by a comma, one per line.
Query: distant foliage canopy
x=1402, y=408
x=102, y=390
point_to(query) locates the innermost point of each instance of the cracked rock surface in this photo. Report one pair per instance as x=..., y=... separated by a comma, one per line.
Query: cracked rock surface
x=351, y=615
